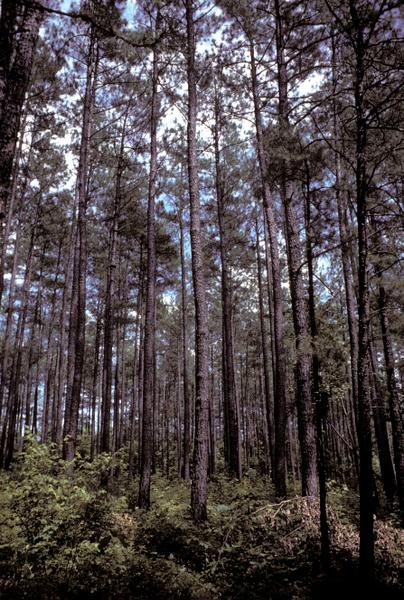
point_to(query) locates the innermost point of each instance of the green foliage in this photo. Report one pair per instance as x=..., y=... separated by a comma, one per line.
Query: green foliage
x=73, y=530
x=57, y=528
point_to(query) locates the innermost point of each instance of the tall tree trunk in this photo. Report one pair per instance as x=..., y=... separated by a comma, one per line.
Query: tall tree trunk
x=298, y=296
x=94, y=390
x=186, y=439
x=366, y=553
x=110, y=306
x=150, y=320
x=5, y=349
x=231, y=404
x=395, y=407
x=9, y=424
x=380, y=426
x=279, y=375
x=199, y=481
x=265, y=350
x=320, y=398
x=57, y=431
x=136, y=368
x=78, y=306
x=49, y=371
x=350, y=299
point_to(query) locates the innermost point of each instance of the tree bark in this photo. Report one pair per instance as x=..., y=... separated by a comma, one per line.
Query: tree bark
x=230, y=399
x=265, y=351
x=199, y=481
x=279, y=374
x=110, y=306
x=78, y=302
x=150, y=320
x=186, y=439
x=366, y=553
x=298, y=296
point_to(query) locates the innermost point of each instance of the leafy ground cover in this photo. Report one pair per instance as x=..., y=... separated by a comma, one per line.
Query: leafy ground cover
x=64, y=535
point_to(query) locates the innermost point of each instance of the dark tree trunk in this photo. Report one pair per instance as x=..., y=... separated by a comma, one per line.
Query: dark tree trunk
x=230, y=398
x=17, y=55
x=5, y=349
x=305, y=407
x=10, y=421
x=94, y=387
x=186, y=439
x=110, y=306
x=136, y=369
x=78, y=302
x=381, y=433
x=320, y=399
x=150, y=321
x=350, y=299
x=366, y=553
x=395, y=407
x=265, y=351
x=199, y=481
x=279, y=357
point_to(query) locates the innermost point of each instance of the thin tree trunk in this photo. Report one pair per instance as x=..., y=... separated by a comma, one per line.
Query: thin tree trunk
x=279, y=375
x=265, y=350
x=320, y=399
x=9, y=425
x=97, y=344
x=186, y=440
x=110, y=306
x=395, y=407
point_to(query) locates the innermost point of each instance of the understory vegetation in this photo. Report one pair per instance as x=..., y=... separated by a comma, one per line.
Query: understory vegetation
x=76, y=532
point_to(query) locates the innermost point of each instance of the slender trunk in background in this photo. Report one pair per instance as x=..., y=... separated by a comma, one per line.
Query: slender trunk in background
x=340, y=195
x=26, y=370
x=5, y=349
x=230, y=399
x=186, y=439
x=78, y=303
x=199, y=480
x=9, y=424
x=57, y=429
x=94, y=387
x=395, y=402
x=150, y=320
x=136, y=370
x=380, y=427
x=110, y=306
x=288, y=190
x=50, y=341
x=320, y=398
x=265, y=350
x=140, y=378
x=279, y=375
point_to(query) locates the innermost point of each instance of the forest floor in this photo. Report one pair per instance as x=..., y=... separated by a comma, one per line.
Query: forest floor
x=63, y=535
